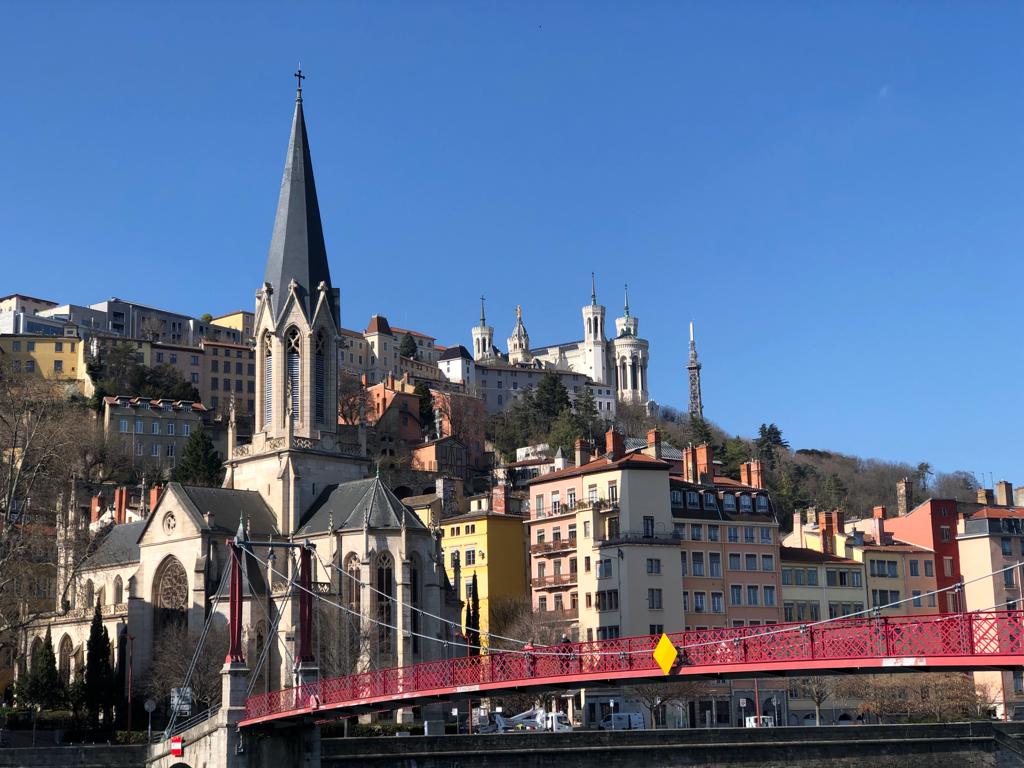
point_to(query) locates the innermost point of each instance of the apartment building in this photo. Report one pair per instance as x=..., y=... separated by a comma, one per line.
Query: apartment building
x=818, y=585
x=240, y=321
x=47, y=357
x=153, y=431
x=228, y=371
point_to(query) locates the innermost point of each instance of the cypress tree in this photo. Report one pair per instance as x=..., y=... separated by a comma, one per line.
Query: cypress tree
x=474, y=605
x=199, y=464
x=99, y=676
x=44, y=686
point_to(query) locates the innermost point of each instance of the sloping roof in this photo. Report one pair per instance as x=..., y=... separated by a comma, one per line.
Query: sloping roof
x=996, y=513
x=668, y=451
x=420, y=501
x=120, y=547
x=402, y=331
x=633, y=460
x=454, y=353
x=378, y=324
x=355, y=504
x=226, y=505
x=297, y=250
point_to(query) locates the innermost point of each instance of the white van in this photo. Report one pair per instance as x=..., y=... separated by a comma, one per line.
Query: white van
x=622, y=721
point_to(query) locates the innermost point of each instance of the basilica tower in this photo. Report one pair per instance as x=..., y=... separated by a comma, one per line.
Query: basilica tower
x=595, y=343
x=519, y=341
x=630, y=355
x=483, y=337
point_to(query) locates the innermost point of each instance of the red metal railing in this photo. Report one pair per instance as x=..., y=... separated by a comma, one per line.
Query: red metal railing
x=970, y=636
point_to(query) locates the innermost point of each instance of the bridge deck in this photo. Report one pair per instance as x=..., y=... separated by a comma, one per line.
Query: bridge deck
x=988, y=640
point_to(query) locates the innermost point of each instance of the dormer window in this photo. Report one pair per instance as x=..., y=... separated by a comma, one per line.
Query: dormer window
x=762, y=503
x=729, y=502
x=692, y=500
x=745, y=504
x=709, y=500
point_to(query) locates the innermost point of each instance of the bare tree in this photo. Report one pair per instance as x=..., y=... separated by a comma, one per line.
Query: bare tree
x=818, y=689
x=462, y=416
x=653, y=695
x=352, y=398
x=172, y=656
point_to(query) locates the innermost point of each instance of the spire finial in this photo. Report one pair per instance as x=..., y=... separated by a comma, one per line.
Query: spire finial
x=593, y=289
x=519, y=312
x=483, y=320
x=627, y=299
x=300, y=77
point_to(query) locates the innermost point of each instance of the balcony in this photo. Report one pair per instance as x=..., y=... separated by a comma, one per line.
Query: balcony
x=554, y=580
x=598, y=505
x=562, y=509
x=550, y=547
x=558, y=615
x=662, y=538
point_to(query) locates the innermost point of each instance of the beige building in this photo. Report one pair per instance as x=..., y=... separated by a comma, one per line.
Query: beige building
x=59, y=358
x=154, y=432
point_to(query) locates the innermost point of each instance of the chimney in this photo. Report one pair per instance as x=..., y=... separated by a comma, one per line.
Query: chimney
x=812, y=515
x=826, y=522
x=985, y=496
x=858, y=538
x=705, y=464
x=499, y=498
x=96, y=508
x=1019, y=494
x=745, y=473
x=756, y=474
x=904, y=496
x=690, y=464
x=838, y=521
x=798, y=529
x=447, y=490
x=878, y=524
x=614, y=446
x=120, y=505
x=154, y=496
x=1004, y=494
x=653, y=443
x=582, y=452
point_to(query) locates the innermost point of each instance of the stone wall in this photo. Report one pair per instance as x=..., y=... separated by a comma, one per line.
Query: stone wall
x=966, y=745
x=103, y=756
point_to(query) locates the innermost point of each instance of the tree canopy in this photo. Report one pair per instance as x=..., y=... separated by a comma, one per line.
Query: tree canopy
x=408, y=346
x=199, y=464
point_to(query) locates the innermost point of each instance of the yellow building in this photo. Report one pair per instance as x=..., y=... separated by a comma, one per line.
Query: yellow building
x=48, y=357
x=489, y=542
x=240, y=321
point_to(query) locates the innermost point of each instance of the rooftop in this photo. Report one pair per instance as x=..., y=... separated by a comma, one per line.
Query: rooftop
x=800, y=555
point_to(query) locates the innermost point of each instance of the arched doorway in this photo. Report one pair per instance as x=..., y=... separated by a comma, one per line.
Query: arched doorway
x=170, y=595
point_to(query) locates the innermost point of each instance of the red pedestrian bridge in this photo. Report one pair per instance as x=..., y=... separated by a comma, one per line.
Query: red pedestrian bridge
x=941, y=642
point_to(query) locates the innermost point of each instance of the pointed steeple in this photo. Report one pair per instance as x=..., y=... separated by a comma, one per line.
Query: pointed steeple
x=627, y=300
x=483, y=319
x=593, y=290
x=297, y=249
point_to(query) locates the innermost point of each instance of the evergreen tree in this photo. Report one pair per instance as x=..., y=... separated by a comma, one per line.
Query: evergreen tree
x=99, y=675
x=700, y=430
x=565, y=431
x=408, y=346
x=586, y=414
x=769, y=442
x=44, y=687
x=474, y=606
x=426, y=397
x=199, y=464
x=550, y=399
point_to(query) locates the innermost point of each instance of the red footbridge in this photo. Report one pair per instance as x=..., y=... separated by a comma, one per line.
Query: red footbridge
x=941, y=642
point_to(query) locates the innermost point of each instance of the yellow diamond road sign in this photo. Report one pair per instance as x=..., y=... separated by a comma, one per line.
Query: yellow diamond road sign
x=665, y=654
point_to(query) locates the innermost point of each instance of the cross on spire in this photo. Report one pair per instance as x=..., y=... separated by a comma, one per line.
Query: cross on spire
x=300, y=77
x=483, y=320
x=593, y=290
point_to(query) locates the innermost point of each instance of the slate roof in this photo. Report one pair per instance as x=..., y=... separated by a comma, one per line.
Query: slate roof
x=355, y=503
x=227, y=504
x=379, y=324
x=119, y=547
x=454, y=353
x=668, y=451
x=297, y=249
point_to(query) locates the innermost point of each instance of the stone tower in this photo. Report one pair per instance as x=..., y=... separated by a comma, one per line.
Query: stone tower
x=595, y=344
x=693, y=367
x=519, y=341
x=630, y=355
x=295, y=451
x=483, y=337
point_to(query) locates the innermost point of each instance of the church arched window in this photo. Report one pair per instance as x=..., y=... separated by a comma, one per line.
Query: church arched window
x=118, y=590
x=170, y=593
x=89, y=594
x=268, y=381
x=385, y=597
x=64, y=653
x=352, y=586
x=320, y=374
x=292, y=343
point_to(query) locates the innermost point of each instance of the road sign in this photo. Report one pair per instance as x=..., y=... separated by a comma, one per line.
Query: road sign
x=743, y=703
x=181, y=701
x=665, y=654
x=149, y=706
x=177, y=748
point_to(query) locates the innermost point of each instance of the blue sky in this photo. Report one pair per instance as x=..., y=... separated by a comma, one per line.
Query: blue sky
x=831, y=190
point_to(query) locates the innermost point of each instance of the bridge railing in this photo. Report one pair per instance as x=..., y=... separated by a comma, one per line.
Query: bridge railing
x=937, y=635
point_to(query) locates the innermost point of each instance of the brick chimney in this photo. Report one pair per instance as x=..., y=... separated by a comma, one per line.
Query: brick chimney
x=904, y=496
x=745, y=473
x=690, y=464
x=756, y=474
x=120, y=505
x=1004, y=494
x=154, y=496
x=878, y=524
x=1019, y=494
x=826, y=526
x=705, y=464
x=798, y=529
x=653, y=443
x=582, y=452
x=96, y=507
x=985, y=496
x=499, y=498
x=614, y=446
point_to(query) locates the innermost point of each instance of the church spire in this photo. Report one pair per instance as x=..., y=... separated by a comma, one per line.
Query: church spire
x=483, y=319
x=693, y=367
x=627, y=300
x=297, y=249
x=593, y=290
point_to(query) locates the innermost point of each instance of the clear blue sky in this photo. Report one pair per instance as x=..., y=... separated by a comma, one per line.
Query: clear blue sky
x=831, y=190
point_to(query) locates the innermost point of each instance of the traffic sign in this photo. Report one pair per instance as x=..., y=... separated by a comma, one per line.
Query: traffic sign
x=177, y=748
x=665, y=654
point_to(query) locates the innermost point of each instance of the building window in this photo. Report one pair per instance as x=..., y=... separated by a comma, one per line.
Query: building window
x=751, y=562
x=929, y=568
x=124, y=425
x=170, y=427
x=140, y=448
x=653, y=565
x=154, y=427
x=1018, y=681
x=586, y=529
x=319, y=374
x=186, y=430
x=944, y=533
x=293, y=364
x=916, y=594
x=767, y=562
x=748, y=533
x=692, y=500
x=769, y=595
x=947, y=566
x=787, y=577
x=715, y=564
x=717, y=603
x=736, y=594
x=58, y=366
x=734, y=534
x=697, y=532
x=915, y=567
x=766, y=535
x=654, y=599
x=729, y=502
x=752, y=595
x=648, y=526
x=154, y=450
x=762, y=503
x=698, y=563
x=1007, y=547
x=604, y=568
x=1008, y=578
x=734, y=561
x=470, y=556
x=713, y=533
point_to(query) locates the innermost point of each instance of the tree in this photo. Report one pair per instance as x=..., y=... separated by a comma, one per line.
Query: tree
x=44, y=687
x=550, y=399
x=818, y=689
x=200, y=464
x=408, y=346
x=631, y=419
x=427, y=421
x=770, y=443
x=834, y=492
x=700, y=430
x=565, y=431
x=206, y=317
x=585, y=409
x=654, y=695
x=172, y=654
x=99, y=675
x=473, y=619
x=353, y=399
